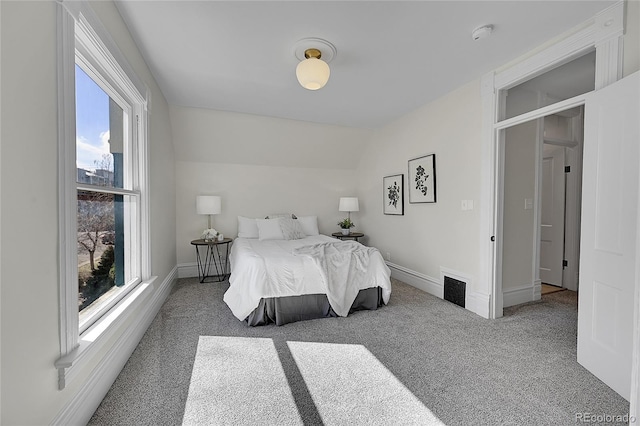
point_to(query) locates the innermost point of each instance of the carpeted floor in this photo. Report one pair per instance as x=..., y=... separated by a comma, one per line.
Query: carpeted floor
x=466, y=370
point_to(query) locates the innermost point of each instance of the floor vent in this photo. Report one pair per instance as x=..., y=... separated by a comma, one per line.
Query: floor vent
x=454, y=290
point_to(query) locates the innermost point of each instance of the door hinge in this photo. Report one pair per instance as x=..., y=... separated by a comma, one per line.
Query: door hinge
x=567, y=169
x=565, y=263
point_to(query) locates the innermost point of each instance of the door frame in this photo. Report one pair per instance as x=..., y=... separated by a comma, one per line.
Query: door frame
x=604, y=34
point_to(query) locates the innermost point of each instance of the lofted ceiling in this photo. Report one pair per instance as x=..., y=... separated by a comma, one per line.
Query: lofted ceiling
x=392, y=56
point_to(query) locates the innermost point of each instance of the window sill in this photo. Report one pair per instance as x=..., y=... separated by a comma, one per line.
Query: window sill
x=95, y=337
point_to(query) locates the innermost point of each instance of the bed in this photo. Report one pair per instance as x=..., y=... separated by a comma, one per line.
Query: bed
x=287, y=280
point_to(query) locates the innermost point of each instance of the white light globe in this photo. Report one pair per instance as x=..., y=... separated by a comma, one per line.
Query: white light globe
x=313, y=73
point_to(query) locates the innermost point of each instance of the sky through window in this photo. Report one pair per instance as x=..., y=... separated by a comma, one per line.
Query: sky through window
x=92, y=122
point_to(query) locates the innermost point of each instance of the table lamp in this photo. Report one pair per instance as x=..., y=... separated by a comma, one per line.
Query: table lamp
x=209, y=205
x=348, y=204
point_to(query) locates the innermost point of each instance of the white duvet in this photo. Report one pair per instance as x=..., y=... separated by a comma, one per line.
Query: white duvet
x=312, y=265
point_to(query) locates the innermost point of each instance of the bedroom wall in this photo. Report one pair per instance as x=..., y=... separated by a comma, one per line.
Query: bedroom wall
x=29, y=218
x=256, y=191
x=429, y=236
x=260, y=166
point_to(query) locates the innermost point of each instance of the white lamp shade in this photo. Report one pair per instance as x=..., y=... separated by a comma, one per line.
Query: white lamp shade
x=313, y=73
x=208, y=204
x=349, y=204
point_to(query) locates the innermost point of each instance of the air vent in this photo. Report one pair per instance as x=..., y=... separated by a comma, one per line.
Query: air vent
x=454, y=290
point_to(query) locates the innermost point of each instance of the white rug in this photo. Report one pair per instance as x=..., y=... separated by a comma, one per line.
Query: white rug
x=239, y=381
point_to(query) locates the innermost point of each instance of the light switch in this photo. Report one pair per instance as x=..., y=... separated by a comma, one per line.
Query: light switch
x=528, y=203
x=464, y=205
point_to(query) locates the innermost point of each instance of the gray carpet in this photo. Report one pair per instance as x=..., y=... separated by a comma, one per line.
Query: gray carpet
x=517, y=370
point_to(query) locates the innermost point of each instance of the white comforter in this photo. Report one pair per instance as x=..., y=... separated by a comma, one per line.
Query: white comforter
x=312, y=265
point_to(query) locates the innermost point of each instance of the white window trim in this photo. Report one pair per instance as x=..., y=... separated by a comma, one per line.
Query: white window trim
x=77, y=350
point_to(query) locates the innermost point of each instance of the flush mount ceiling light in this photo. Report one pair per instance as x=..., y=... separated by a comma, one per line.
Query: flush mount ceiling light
x=314, y=55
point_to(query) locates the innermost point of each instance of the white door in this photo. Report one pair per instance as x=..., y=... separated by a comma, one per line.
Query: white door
x=609, y=220
x=552, y=218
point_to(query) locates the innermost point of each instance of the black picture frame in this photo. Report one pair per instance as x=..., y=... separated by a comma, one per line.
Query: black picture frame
x=393, y=195
x=422, y=179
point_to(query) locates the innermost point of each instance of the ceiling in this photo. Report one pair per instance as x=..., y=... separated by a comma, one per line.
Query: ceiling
x=392, y=56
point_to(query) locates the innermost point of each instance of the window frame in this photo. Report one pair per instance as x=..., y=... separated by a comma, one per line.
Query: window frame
x=93, y=69
x=81, y=35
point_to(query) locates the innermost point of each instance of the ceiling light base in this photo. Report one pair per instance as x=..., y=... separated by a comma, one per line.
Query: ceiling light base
x=328, y=50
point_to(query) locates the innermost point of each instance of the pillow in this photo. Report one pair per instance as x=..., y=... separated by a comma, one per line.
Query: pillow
x=247, y=228
x=309, y=224
x=291, y=229
x=283, y=215
x=269, y=229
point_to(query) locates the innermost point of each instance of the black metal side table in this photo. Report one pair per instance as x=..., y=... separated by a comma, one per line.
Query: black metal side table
x=212, y=259
x=350, y=236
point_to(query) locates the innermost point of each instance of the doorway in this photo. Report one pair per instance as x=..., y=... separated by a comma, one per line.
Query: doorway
x=540, y=169
x=560, y=198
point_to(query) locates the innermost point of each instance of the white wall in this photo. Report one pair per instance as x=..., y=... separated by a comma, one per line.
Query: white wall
x=429, y=236
x=260, y=166
x=256, y=191
x=205, y=135
x=29, y=274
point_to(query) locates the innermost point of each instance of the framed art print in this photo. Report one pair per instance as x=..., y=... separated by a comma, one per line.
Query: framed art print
x=422, y=179
x=393, y=190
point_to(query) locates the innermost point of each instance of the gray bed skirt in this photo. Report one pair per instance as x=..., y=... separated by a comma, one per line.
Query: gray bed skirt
x=283, y=310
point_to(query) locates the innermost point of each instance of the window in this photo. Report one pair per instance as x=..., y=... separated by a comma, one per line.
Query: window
x=107, y=195
x=558, y=84
x=104, y=237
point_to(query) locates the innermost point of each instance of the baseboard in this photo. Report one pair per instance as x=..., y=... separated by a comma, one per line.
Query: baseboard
x=80, y=409
x=537, y=290
x=187, y=270
x=518, y=295
x=478, y=303
x=417, y=280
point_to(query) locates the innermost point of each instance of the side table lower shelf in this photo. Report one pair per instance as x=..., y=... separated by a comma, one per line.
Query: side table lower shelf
x=212, y=261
